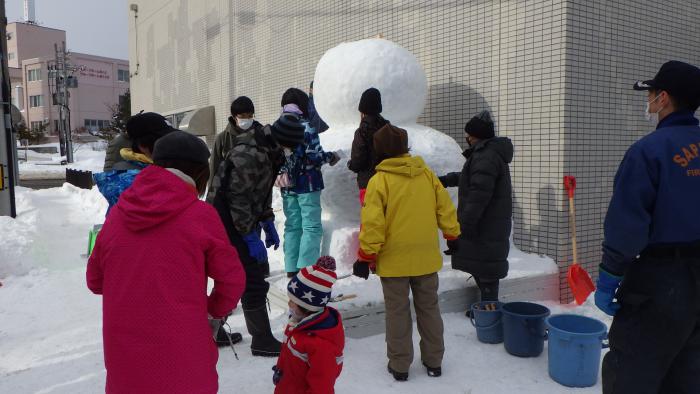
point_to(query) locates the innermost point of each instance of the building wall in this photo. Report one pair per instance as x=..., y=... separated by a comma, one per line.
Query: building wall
x=528, y=61
x=98, y=90
x=31, y=41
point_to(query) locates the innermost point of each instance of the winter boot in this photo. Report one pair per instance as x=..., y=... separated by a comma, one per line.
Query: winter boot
x=222, y=337
x=263, y=343
x=433, y=372
x=398, y=376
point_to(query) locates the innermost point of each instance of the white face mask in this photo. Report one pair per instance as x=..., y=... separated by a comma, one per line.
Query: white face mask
x=652, y=118
x=244, y=123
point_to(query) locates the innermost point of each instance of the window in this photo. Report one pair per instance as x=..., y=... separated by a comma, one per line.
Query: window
x=36, y=101
x=34, y=75
x=96, y=124
x=123, y=75
x=11, y=56
x=36, y=125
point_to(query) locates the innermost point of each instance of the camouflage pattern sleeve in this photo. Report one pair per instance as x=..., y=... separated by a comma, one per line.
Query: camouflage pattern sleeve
x=240, y=191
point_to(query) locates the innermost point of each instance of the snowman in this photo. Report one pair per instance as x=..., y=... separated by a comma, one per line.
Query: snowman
x=342, y=74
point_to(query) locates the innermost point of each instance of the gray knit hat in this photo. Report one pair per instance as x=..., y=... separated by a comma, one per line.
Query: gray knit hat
x=181, y=145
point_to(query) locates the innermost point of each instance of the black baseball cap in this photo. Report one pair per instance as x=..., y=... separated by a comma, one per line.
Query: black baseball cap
x=146, y=123
x=679, y=79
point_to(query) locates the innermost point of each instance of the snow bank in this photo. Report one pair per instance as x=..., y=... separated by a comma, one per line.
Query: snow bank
x=48, y=166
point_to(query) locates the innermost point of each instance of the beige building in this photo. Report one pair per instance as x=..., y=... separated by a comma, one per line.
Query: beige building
x=101, y=80
x=556, y=75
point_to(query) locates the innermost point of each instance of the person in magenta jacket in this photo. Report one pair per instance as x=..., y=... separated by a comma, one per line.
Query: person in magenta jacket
x=150, y=264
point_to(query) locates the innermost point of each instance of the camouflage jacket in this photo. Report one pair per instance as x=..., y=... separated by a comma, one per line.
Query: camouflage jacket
x=243, y=182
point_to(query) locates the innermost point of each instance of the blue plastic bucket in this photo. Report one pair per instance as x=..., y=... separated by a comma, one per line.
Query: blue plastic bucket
x=575, y=344
x=489, y=328
x=523, y=328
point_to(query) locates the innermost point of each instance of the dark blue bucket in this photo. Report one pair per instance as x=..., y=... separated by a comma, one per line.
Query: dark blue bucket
x=575, y=344
x=523, y=328
x=489, y=328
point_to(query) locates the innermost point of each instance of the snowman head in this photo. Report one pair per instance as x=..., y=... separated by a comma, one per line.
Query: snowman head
x=346, y=71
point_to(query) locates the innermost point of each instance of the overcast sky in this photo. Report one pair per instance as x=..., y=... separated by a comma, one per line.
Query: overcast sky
x=95, y=27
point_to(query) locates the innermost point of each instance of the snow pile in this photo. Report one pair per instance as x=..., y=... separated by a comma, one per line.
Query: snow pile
x=45, y=232
x=347, y=70
x=48, y=166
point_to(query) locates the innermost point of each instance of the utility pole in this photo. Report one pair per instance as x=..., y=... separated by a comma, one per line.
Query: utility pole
x=8, y=159
x=61, y=72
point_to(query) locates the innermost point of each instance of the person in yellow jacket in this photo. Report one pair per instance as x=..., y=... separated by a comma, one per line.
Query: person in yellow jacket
x=404, y=206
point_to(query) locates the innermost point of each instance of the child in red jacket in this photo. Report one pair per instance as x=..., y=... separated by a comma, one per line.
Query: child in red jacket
x=312, y=352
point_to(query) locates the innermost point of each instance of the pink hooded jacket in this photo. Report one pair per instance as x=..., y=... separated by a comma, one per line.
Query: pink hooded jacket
x=150, y=263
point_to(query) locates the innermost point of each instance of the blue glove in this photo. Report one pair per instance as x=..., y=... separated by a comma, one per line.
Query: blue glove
x=271, y=237
x=605, y=293
x=256, y=248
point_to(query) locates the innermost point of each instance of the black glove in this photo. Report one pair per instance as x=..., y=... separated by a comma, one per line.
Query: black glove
x=452, y=247
x=443, y=179
x=361, y=269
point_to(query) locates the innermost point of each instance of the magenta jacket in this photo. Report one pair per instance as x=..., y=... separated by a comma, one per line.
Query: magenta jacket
x=150, y=263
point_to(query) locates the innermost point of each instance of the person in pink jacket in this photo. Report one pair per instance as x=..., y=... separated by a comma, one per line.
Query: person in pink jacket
x=150, y=264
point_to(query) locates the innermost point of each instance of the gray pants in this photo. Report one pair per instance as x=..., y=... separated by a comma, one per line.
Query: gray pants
x=399, y=326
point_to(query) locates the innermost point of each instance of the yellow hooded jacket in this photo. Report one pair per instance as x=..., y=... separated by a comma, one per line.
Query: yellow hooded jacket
x=404, y=206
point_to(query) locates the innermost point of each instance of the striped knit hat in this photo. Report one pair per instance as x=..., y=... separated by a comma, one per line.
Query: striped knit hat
x=311, y=287
x=288, y=130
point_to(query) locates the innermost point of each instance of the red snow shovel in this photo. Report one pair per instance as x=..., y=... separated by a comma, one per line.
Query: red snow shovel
x=579, y=281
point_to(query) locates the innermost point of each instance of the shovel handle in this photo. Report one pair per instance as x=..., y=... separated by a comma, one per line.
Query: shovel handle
x=570, y=186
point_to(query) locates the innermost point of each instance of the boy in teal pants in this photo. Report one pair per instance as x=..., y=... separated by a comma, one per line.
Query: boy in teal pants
x=301, y=189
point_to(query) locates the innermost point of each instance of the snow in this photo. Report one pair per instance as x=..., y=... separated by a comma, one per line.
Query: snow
x=363, y=64
x=87, y=157
x=50, y=335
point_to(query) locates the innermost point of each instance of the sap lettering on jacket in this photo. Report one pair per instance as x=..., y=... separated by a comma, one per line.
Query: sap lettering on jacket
x=688, y=154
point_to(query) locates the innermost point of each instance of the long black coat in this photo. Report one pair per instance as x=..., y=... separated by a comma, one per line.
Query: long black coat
x=485, y=209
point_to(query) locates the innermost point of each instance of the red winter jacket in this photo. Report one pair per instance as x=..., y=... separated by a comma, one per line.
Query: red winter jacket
x=150, y=263
x=312, y=355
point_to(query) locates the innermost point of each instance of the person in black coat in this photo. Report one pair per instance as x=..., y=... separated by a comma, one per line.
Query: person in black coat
x=485, y=206
x=363, y=160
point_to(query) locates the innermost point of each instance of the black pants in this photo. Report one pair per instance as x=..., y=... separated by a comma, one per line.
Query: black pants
x=488, y=288
x=655, y=336
x=256, y=287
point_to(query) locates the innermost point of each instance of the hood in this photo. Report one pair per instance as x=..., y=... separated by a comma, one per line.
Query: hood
x=407, y=165
x=501, y=145
x=130, y=155
x=156, y=196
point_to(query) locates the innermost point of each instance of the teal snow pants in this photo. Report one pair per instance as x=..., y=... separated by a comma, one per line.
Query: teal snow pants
x=302, y=230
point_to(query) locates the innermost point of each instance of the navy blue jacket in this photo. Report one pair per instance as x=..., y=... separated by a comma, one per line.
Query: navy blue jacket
x=304, y=165
x=315, y=119
x=656, y=193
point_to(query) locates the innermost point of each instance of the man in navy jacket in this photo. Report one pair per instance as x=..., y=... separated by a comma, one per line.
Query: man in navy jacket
x=650, y=273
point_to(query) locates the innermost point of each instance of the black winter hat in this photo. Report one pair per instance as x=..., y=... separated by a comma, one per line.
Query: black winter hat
x=679, y=79
x=298, y=97
x=370, y=102
x=181, y=145
x=480, y=126
x=390, y=141
x=242, y=105
x=288, y=130
x=147, y=123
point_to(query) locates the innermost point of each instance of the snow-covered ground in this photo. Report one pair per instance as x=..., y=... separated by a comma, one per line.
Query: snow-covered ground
x=50, y=323
x=87, y=157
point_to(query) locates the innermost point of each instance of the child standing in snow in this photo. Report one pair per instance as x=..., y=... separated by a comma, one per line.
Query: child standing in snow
x=301, y=197
x=150, y=264
x=404, y=206
x=312, y=353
